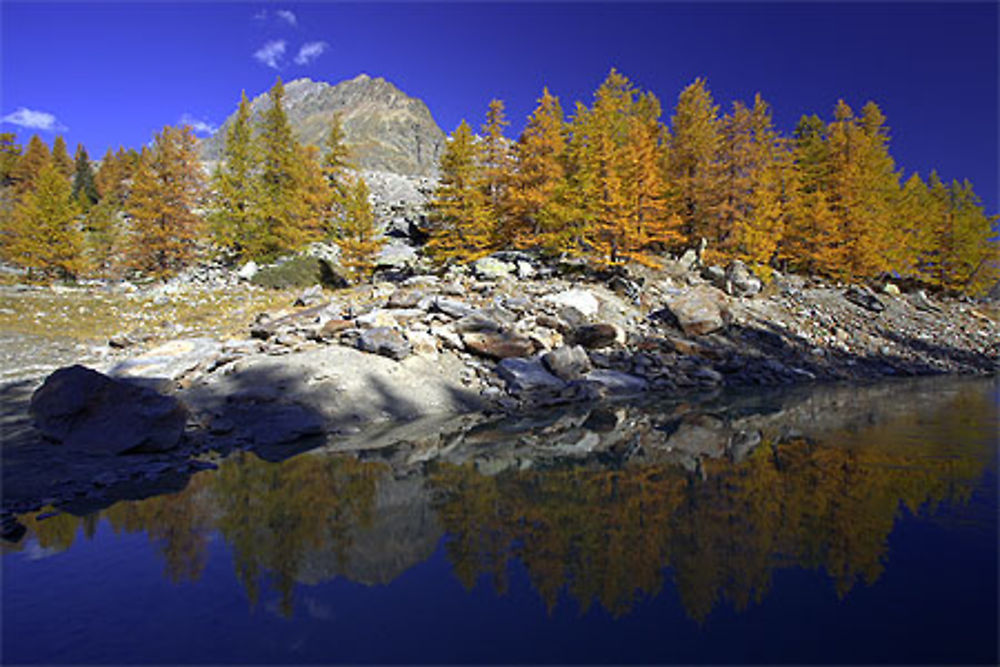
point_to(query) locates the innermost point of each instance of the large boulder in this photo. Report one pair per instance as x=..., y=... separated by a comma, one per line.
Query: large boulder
x=698, y=311
x=87, y=411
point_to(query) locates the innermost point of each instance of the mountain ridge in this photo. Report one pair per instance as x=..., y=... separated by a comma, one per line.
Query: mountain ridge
x=386, y=129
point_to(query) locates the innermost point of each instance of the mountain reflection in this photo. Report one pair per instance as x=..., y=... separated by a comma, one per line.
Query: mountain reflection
x=601, y=506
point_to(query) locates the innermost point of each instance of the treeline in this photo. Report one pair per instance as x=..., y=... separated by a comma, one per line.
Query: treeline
x=156, y=211
x=615, y=184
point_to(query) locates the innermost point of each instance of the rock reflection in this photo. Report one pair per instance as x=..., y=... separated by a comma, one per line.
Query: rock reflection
x=601, y=506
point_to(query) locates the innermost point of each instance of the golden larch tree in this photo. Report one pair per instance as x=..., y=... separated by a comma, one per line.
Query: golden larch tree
x=538, y=185
x=45, y=236
x=358, y=237
x=167, y=188
x=461, y=224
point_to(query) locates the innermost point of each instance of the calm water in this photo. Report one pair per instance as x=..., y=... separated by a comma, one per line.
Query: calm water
x=833, y=525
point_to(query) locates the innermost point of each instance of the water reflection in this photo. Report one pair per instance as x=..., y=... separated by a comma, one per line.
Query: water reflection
x=601, y=506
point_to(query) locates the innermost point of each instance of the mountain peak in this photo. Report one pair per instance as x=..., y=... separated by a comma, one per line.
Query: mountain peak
x=387, y=129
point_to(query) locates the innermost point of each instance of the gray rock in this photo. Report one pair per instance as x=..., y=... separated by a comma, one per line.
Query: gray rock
x=891, y=289
x=396, y=256
x=498, y=345
x=864, y=297
x=87, y=411
x=405, y=298
x=740, y=281
x=384, y=341
x=689, y=259
x=312, y=296
x=920, y=301
x=567, y=363
x=715, y=275
x=527, y=376
x=170, y=361
x=595, y=336
x=698, y=310
x=452, y=308
x=582, y=300
x=491, y=268
x=525, y=269
x=476, y=323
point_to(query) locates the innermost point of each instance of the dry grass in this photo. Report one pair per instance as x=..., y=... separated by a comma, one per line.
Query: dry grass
x=95, y=315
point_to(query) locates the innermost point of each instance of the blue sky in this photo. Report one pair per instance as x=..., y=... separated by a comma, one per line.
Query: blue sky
x=106, y=74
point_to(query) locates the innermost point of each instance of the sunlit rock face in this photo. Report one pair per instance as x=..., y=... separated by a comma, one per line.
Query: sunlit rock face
x=386, y=129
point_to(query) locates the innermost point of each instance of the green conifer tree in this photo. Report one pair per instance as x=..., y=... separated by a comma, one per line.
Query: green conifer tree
x=84, y=186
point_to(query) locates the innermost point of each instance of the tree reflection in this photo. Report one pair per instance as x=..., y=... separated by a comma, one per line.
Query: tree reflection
x=608, y=536
x=273, y=515
x=602, y=534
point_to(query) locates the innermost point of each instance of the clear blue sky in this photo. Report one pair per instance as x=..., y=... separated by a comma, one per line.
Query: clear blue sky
x=114, y=73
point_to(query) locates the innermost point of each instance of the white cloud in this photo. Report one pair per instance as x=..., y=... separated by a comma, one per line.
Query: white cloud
x=198, y=125
x=287, y=16
x=310, y=51
x=271, y=53
x=35, y=120
x=260, y=16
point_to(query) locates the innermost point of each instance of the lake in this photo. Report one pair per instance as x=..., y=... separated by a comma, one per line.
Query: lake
x=817, y=525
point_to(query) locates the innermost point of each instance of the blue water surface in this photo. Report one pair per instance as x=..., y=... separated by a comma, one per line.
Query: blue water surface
x=931, y=597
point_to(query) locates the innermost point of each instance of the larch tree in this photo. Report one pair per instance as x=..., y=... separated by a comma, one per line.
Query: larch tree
x=358, y=237
x=812, y=241
x=166, y=189
x=288, y=219
x=915, y=213
x=692, y=167
x=10, y=151
x=461, y=225
x=754, y=173
x=84, y=186
x=61, y=158
x=336, y=157
x=596, y=158
x=36, y=157
x=968, y=248
x=497, y=167
x=235, y=186
x=46, y=239
x=650, y=226
x=537, y=192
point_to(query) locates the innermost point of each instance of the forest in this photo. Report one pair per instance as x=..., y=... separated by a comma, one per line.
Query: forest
x=612, y=183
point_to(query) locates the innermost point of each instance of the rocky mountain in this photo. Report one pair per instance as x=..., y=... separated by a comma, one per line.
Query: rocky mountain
x=387, y=129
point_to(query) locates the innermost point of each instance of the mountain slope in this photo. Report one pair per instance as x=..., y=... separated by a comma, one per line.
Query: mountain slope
x=386, y=129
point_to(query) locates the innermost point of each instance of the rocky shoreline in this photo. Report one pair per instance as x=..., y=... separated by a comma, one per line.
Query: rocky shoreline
x=370, y=366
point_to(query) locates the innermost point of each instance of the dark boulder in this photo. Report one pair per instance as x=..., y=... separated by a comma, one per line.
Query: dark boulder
x=88, y=411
